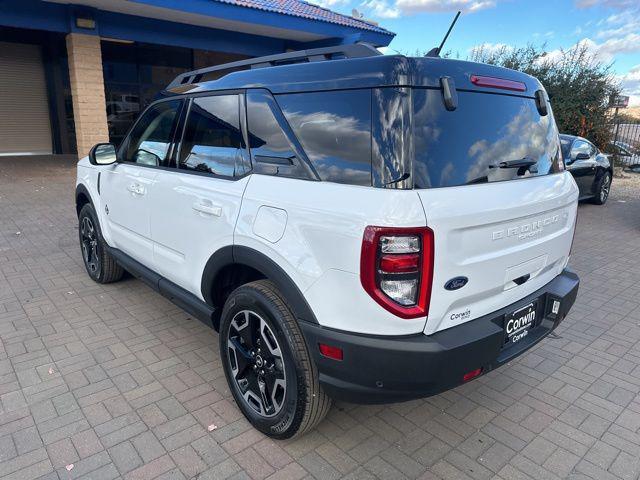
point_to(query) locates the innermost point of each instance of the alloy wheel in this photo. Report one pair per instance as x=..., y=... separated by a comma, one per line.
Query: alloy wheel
x=256, y=362
x=604, y=190
x=89, y=244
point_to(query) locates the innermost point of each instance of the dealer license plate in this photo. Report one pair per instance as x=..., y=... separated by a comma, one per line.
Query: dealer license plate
x=518, y=324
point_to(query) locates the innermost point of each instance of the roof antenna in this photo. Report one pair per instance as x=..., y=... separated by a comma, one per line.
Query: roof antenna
x=435, y=52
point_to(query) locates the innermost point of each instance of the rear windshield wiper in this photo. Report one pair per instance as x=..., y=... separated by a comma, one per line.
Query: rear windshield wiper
x=521, y=162
x=401, y=178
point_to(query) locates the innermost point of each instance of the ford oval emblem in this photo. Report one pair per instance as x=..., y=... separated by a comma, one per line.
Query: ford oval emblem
x=456, y=283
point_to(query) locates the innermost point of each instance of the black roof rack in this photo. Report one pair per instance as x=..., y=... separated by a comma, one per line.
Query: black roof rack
x=356, y=50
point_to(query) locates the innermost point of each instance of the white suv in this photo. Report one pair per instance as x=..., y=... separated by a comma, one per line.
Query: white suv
x=356, y=226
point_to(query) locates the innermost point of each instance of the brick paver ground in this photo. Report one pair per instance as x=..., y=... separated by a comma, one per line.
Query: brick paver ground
x=120, y=383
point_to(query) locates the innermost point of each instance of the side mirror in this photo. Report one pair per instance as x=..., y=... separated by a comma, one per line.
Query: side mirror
x=103, y=154
x=583, y=156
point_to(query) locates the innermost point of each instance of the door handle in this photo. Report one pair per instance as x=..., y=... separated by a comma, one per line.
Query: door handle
x=208, y=209
x=136, y=189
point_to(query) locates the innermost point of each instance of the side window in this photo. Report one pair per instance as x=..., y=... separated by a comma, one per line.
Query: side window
x=212, y=140
x=149, y=141
x=334, y=129
x=271, y=150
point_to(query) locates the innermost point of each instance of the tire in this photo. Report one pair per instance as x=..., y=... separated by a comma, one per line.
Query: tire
x=602, y=189
x=100, y=265
x=260, y=345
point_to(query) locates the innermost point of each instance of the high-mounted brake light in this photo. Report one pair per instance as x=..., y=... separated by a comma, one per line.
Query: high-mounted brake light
x=396, y=269
x=495, y=82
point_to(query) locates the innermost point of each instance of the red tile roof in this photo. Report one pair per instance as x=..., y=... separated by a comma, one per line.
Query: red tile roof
x=300, y=8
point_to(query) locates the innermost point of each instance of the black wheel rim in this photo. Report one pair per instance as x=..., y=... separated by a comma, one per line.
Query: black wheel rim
x=604, y=190
x=89, y=243
x=256, y=363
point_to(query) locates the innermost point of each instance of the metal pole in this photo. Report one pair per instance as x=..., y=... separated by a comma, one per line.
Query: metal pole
x=615, y=137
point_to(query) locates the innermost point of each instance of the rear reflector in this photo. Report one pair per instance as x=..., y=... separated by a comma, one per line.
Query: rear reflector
x=335, y=353
x=471, y=375
x=494, y=82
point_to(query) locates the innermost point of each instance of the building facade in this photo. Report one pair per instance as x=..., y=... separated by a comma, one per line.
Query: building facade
x=76, y=74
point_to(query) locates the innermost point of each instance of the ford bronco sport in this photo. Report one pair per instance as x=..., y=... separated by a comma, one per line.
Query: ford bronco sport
x=355, y=226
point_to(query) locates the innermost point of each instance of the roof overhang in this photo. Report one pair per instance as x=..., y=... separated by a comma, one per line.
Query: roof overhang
x=217, y=15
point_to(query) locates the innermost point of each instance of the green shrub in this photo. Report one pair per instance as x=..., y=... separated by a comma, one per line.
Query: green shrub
x=578, y=83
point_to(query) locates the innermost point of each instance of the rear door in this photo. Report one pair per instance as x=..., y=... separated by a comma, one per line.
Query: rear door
x=196, y=204
x=489, y=176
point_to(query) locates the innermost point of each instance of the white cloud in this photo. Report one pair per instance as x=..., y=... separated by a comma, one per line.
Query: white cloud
x=330, y=3
x=631, y=85
x=620, y=24
x=382, y=9
x=491, y=48
x=605, y=51
x=396, y=8
x=418, y=6
x=607, y=3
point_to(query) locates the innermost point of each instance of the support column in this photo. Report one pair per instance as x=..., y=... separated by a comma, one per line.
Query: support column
x=87, y=91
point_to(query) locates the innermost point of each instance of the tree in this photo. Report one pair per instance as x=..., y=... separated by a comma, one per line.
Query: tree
x=578, y=83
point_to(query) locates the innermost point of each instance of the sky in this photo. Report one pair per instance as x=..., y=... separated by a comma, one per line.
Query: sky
x=611, y=28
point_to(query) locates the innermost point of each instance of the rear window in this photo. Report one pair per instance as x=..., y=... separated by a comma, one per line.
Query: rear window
x=334, y=129
x=467, y=145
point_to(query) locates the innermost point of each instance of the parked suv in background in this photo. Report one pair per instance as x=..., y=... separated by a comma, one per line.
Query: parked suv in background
x=356, y=226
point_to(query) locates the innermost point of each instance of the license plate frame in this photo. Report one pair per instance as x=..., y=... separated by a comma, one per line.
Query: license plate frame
x=519, y=323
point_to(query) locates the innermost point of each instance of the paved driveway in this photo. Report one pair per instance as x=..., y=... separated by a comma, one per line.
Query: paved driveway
x=120, y=383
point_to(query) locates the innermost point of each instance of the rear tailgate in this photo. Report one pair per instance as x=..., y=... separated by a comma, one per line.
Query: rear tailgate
x=494, y=234
x=490, y=176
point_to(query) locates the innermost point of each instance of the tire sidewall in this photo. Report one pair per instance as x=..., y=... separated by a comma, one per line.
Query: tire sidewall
x=286, y=422
x=89, y=211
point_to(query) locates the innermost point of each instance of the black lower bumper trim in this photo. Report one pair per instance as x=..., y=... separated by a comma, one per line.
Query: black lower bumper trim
x=386, y=369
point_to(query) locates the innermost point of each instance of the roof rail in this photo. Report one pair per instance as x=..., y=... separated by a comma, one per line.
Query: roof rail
x=356, y=50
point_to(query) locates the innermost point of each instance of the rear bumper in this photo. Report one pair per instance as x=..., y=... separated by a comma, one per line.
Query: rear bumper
x=387, y=369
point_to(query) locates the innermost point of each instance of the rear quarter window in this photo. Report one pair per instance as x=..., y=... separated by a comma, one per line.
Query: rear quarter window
x=334, y=129
x=466, y=146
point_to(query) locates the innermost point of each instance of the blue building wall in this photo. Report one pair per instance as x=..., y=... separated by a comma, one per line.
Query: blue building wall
x=40, y=15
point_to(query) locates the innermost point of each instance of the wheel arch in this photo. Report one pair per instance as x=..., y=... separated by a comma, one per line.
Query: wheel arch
x=232, y=266
x=82, y=197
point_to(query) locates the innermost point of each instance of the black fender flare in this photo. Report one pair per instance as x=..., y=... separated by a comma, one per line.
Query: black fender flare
x=82, y=190
x=241, y=255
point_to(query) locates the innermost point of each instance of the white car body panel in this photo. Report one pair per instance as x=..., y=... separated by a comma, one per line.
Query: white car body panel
x=313, y=231
x=321, y=244
x=193, y=216
x=126, y=190
x=494, y=233
x=87, y=176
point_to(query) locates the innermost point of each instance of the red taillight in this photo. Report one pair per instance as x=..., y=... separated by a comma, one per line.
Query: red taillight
x=329, y=351
x=471, y=375
x=494, y=82
x=400, y=263
x=396, y=268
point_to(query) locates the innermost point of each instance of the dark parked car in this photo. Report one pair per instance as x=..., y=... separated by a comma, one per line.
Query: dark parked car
x=590, y=168
x=625, y=155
